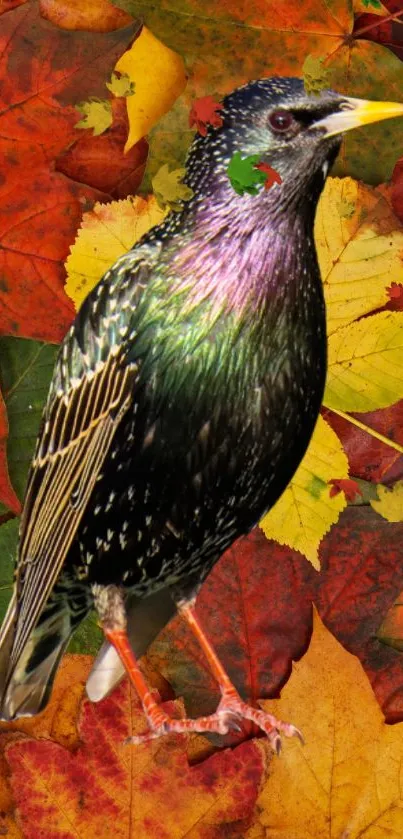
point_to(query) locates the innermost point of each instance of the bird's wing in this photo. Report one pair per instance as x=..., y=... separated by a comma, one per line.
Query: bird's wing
x=79, y=423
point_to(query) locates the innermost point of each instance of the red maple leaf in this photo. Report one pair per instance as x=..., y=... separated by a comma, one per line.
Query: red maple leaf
x=349, y=487
x=395, y=291
x=204, y=113
x=273, y=177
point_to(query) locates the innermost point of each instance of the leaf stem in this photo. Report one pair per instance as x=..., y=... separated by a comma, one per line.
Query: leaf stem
x=391, y=443
x=393, y=16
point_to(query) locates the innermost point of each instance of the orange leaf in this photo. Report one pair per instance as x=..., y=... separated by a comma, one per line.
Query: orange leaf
x=346, y=485
x=144, y=791
x=95, y=15
x=204, y=113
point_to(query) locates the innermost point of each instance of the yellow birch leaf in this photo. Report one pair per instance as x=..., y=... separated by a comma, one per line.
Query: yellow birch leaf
x=365, y=364
x=159, y=76
x=360, y=243
x=390, y=502
x=106, y=232
x=305, y=511
x=347, y=781
x=97, y=114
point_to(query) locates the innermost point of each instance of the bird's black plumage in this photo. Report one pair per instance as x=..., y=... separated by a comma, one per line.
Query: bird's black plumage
x=185, y=392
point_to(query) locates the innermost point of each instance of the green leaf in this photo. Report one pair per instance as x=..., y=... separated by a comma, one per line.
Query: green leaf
x=8, y=548
x=243, y=175
x=25, y=372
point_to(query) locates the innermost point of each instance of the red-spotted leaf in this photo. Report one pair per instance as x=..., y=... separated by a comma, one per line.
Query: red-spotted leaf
x=106, y=787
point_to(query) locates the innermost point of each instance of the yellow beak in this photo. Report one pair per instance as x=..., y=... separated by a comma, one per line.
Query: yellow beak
x=356, y=112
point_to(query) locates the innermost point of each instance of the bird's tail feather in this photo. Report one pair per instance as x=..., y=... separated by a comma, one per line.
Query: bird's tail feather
x=25, y=684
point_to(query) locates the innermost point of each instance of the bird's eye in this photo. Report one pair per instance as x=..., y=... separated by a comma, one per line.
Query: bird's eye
x=280, y=121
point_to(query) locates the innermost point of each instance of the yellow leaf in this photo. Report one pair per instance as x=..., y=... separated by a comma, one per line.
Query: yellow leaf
x=168, y=190
x=359, y=241
x=305, y=511
x=158, y=74
x=121, y=85
x=106, y=232
x=390, y=502
x=97, y=114
x=346, y=782
x=365, y=365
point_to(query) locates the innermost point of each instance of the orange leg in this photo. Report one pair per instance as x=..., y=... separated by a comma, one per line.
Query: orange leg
x=159, y=722
x=229, y=712
x=231, y=700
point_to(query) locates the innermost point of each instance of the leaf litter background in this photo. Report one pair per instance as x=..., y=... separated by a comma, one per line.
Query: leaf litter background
x=67, y=772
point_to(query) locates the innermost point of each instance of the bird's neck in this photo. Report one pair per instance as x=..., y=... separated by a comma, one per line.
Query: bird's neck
x=244, y=255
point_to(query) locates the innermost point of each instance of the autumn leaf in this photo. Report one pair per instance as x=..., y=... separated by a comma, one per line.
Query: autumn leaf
x=204, y=112
x=316, y=76
x=365, y=363
x=121, y=85
x=106, y=232
x=346, y=485
x=390, y=502
x=158, y=74
x=40, y=208
x=151, y=789
x=345, y=775
x=273, y=40
x=99, y=16
x=272, y=177
x=101, y=162
x=168, y=189
x=305, y=512
x=244, y=175
x=97, y=114
x=397, y=189
x=359, y=251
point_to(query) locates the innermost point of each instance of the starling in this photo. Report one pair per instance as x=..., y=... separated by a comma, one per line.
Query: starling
x=183, y=399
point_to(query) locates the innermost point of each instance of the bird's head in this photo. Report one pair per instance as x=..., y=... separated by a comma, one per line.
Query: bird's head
x=297, y=134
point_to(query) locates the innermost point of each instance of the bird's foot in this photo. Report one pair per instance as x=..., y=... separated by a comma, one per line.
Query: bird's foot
x=273, y=728
x=223, y=721
x=227, y=717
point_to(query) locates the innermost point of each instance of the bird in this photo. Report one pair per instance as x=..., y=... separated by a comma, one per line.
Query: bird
x=183, y=399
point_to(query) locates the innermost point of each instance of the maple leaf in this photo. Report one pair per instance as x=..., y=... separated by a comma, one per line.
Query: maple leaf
x=168, y=189
x=243, y=174
x=272, y=177
x=346, y=485
x=345, y=768
x=158, y=794
x=37, y=125
x=316, y=75
x=97, y=114
x=121, y=85
x=204, y=113
x=286, y=32
x=395, y=291
x=389, y=503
